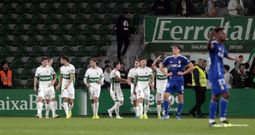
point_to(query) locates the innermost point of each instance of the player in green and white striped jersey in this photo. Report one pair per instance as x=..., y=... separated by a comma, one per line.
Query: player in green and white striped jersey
x=46, y=76
x=93, y=79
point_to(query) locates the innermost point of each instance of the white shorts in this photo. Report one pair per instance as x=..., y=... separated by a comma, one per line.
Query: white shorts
x=68, y=93
x=46, y=93
x=94, y=91
x=143, y=93
x=160, y=96
x=117, y=95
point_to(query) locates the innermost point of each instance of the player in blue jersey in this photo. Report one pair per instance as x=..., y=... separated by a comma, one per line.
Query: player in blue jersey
x=175, y=66
x=217, y=52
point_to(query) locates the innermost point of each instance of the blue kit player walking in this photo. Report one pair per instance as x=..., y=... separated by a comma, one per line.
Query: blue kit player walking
x=217, y=52
x=173, y=67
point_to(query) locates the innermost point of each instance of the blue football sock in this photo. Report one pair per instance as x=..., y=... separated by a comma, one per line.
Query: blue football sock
x=223, y=107
x=166, y=105
x=180, y=108
x=213, y=109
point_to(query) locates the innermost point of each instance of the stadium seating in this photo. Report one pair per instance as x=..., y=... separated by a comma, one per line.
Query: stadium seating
x=79, y=29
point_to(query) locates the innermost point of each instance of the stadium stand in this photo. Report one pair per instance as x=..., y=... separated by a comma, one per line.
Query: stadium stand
x=79, y=29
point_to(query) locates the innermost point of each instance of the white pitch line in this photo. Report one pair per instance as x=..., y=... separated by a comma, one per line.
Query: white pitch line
x=231, y=125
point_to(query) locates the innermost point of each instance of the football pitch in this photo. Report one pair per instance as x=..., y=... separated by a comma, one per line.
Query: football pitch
x=126, y=126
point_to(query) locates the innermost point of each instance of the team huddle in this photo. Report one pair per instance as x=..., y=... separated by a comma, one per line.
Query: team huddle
x=165, y=77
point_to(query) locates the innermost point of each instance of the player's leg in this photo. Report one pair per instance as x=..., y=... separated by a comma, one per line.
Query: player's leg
x=71, y=94
x=159, y=100
x=223, y=107
x=169, y=89
x=114, y=98
x=40, y=103
x=213, y=109
x=140, y=98
x=66, y=107
x=96, y=102
x=53, y=103
x=47, y=108
x=166, y=104
x=119, y=103
x=146, y=103
x=91, y=95
x=39, y=107
x=217, y=89
x=180, y=106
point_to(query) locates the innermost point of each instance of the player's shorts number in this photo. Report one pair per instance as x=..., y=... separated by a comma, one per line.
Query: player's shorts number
x=221, y=83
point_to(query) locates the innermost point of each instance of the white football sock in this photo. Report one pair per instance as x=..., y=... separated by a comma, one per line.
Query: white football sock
x=96, y=108
x=158, y=109
x=39, y=108
x=146, y=108
x=53, y=108
x=47, y=108
x=66, y=108
x=140, y=109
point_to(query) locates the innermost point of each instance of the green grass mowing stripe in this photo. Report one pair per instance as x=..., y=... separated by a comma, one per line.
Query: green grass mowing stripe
x=127, y=126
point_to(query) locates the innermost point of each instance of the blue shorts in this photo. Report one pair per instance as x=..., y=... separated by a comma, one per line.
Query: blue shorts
x=218, y=86
x=175, y=85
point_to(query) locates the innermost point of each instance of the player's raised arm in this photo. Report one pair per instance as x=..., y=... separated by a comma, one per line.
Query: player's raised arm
x=232, y=58
x=209, y=44
x=155, y=62
x=152, y=77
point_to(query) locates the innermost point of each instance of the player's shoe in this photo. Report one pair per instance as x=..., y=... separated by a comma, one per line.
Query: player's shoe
x=165, y=117
x=118, y=117
x=212, y=124
x=141, y=117
x=97, y=117
x=178, y=117
x=70, y=113
x=159, y=116
x=47, y=117
x=38, y=116
x=224, y=123
x=145, y=116
x=55, y=116
x=68, y=116
x=109, y=113
x=94, y=117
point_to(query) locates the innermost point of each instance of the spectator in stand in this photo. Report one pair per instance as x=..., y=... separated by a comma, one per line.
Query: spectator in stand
x=221, y=7
x=210, y=9
x=228, y=77
x=106, y=63
x=185, y=7
x=236, y=8
x=107, y=81
x=6, y=76
x=251, y=7
x=240, y=77
x=161, y=7
x=253, y=77
x=239, y=62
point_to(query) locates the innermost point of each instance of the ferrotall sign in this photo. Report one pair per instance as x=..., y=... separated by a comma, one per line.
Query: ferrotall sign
x=192, y=33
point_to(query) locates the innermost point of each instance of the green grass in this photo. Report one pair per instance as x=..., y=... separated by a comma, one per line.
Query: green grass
x=127, y=126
